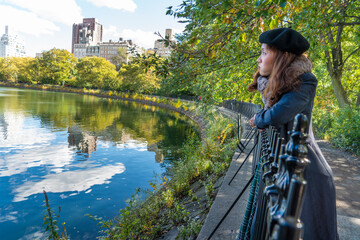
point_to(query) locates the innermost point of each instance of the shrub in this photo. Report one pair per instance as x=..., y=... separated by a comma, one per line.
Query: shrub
x=341, y=126
x=345, y=130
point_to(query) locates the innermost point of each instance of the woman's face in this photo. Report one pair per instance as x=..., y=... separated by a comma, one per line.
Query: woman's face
x=266, y=60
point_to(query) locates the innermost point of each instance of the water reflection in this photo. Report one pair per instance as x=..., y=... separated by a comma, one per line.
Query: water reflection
x=89, y=154
x=84, y=141
x=70, y=181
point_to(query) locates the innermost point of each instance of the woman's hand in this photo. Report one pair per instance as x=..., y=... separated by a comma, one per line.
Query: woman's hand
x=252, y=120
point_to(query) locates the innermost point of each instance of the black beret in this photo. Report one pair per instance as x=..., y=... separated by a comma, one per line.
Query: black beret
x=285, y=39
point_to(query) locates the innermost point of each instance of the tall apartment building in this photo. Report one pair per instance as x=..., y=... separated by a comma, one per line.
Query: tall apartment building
x=159, y=46
x=89, y=32
x=11, y=45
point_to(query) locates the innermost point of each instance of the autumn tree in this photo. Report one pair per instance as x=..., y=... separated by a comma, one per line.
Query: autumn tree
x=142, y=75
x=96, y=72
x=57, y=66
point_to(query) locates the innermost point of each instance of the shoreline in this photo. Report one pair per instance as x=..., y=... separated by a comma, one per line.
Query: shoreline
x=198, y=209
x=198, y=120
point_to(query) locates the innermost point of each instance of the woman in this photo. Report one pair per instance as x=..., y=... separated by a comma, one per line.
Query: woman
x=288, y=87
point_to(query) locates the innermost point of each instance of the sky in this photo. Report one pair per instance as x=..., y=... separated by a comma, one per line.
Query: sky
x=45, y=24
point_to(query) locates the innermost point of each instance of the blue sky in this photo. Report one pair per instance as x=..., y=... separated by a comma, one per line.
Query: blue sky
x=44, y=24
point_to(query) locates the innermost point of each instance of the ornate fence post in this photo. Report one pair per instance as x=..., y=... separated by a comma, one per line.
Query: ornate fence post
x=289, y=226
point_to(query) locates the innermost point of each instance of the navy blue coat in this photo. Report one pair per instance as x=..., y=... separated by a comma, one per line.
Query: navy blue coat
x=319, y=209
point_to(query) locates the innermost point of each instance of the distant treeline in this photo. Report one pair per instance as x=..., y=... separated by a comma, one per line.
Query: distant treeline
x=60, y=67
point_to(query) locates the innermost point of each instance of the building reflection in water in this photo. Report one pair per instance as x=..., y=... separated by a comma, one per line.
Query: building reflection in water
x=159, y=157
x=82, y=140
x=86, y=143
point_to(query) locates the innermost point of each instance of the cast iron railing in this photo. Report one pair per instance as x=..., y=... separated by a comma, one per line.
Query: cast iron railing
x=277, y=186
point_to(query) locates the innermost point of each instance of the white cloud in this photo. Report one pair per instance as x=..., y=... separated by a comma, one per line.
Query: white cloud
x=127, y=5
x=9, y=217
x=111, y=32
x=64, y=11
x=133, y=144
x=25, y=22
x=30, y=147
x=141, y=38
x=56, y=157
x=19, y=135
x=79, y=180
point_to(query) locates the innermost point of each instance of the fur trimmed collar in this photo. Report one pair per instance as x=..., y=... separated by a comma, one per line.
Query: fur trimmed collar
x=299, y=66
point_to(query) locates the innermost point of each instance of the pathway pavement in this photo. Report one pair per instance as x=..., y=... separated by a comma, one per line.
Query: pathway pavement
x=346, y=170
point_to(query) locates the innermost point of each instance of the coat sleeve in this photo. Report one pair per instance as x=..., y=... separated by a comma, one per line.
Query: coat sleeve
x=287, y=107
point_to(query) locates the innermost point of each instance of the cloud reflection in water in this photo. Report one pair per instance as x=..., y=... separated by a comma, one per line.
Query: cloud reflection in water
x=70, y=181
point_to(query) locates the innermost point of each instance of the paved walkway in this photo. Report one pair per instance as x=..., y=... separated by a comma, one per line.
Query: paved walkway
x=346, y=169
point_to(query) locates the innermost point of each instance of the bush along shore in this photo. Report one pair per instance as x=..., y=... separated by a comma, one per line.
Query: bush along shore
x=174, y=205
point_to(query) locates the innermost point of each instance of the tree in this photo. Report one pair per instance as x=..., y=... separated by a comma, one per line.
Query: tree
x=5, y=69
x=57, y=66
x=221, y=37
x=23, y=67
x=96, y=72
x=334, y=30
x=121, y=57
x=142, y=74
x=17, y=69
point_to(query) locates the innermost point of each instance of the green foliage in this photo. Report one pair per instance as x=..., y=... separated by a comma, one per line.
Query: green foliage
x=141, y=76
x=341, y=127
x=191, y=230
x=7, y=70
x=216, y=56
x=16, y=69
x=95, y=72
x=56, y=66
x=345, y=132
x=178, y=214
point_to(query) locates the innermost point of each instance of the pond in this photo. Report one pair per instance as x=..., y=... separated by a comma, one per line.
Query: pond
x=88, y=153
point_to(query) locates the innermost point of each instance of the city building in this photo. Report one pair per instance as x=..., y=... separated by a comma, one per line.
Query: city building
x=11, y=45
x=160, y=48
x=107, y=50
x=89, y=32
x=87, y=42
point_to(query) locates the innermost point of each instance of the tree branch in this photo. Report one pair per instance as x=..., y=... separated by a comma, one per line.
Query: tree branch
x=346, y=24
x=350, y=55
x=347, y=16
x=327, y=56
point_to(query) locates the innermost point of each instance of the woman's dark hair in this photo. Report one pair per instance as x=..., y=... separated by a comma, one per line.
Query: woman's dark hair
x=281, y=79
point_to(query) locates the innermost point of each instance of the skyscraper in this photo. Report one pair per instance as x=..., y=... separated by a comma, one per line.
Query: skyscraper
x=89, y=33
x=11, y=45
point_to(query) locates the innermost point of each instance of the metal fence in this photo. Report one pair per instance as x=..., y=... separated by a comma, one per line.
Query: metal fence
x=277, y=186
